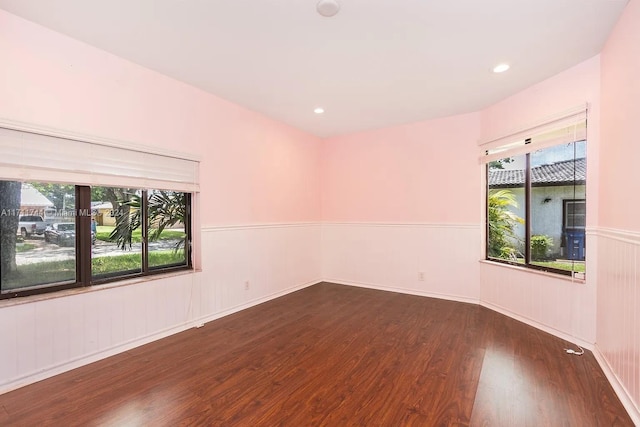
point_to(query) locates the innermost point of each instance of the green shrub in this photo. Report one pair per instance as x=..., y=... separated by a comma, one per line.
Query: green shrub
x=502, y=239
x=540, y=246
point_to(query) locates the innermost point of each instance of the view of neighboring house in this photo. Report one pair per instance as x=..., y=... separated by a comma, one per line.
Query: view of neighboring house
x=557, y=200
x=33, y=202
x=103, y=213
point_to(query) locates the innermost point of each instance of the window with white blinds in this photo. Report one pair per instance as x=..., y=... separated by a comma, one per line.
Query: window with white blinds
x=536, y=195
x=27, y=156
x=78, y=212
x=565, y=127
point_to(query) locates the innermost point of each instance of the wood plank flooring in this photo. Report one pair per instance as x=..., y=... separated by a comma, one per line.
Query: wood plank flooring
x=332, y=355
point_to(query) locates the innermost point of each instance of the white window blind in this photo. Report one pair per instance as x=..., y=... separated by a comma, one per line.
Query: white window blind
x=27, y=156
x=569, y=126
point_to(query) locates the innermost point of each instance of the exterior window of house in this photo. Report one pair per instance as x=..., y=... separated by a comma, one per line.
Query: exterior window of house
x=536, y=208
x=38, y=236
x=575, y=214
x=59, y=236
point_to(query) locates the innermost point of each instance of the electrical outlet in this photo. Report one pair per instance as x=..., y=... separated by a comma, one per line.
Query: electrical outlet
x=246, y=285
x=421, y=276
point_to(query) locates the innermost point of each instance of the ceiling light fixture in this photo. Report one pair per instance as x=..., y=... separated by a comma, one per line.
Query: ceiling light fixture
x=501, y=68
x=328, y=8
x=318, y=110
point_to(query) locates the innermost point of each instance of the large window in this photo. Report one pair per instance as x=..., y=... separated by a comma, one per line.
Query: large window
x=79, y=211
x=536, y=201
x=56, y=236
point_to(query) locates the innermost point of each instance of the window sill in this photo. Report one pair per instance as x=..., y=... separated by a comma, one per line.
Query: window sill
x=524, y=269
x=93, y=288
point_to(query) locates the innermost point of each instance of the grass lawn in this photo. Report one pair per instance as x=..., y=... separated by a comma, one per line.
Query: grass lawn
x=42, y=272
x=62, y=271
x=104, y=231
x=133, y=262
x=578, y=266
x=566, y=265
x=24, y=247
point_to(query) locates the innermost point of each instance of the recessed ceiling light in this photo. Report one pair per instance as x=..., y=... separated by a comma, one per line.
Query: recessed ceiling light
x=501, y=68
x=328, y=8
x=318, y=110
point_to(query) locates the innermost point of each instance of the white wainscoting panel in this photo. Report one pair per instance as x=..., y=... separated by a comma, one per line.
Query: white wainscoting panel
x=273, y=259
x=557, y=304
x=618, y=320
x=45, y=335
x=392, y=256
x=42, y=336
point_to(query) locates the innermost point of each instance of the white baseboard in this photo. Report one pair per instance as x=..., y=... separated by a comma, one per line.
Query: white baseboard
x=403, y=291
x=548, y=329
x=468, y=300
x=240, y=307
x=618, y=387
x=90, y=358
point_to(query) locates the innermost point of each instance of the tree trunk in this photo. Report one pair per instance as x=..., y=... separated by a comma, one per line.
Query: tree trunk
x=9, y=219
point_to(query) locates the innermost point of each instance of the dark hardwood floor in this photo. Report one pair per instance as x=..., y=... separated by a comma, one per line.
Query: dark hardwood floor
x=332, y=355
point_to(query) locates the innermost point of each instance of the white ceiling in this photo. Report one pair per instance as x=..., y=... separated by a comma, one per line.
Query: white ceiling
x=376, y=63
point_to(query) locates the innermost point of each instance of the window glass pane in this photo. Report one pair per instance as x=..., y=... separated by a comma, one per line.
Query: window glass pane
x=167, y=233
x=38, y=235
x=116, y=232
x=505, y=204
x=558, y=176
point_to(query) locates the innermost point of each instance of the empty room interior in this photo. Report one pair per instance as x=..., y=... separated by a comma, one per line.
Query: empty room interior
x=334, y=212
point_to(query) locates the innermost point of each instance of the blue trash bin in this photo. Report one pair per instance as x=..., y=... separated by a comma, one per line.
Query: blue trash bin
x=575, y=245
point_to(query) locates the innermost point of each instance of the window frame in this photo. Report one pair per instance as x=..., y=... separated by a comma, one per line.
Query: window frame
x=527, y=225
x=565, y=212
x=83, y=245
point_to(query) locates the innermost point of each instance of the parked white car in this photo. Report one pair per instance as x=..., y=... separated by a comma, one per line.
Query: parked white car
x=30, y=225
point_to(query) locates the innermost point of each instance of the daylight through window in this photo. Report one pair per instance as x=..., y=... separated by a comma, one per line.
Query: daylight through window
x=536, y=203
x=56, y=236
x=78, y=211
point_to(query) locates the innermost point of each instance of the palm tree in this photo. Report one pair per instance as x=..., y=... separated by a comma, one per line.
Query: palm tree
x=165, y=208
x=502, y=222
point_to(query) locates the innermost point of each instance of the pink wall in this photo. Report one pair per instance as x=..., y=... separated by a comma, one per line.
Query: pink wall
x=402, y=208
x=422, y=172
x=620, y=175
x=574, y=87
x=618, y=325
x=565, y=90
x=254, y=170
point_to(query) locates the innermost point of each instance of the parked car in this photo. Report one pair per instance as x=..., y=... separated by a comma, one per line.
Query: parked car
x=61, y=233
x=64, y=234
x=31, y=224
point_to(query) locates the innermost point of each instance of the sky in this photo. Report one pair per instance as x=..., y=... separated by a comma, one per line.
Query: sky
x=550, y=155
